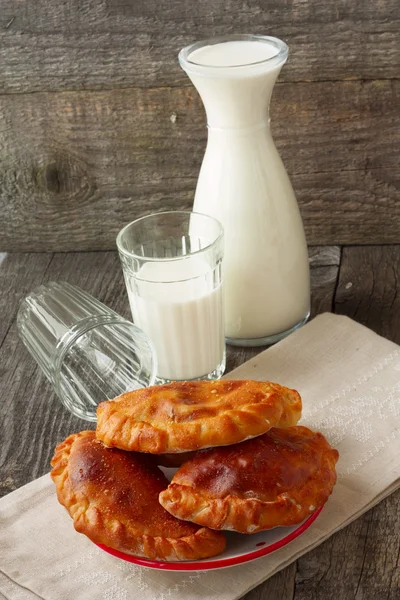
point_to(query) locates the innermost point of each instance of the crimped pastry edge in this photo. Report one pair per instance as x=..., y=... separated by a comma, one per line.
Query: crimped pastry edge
x=127, y=433
x=192, y=547
x=251, y=515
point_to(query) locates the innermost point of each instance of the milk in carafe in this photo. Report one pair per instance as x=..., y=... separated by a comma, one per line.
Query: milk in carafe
x=244, y=184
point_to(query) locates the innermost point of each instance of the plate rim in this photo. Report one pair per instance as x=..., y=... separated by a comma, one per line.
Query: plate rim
x=208, y=565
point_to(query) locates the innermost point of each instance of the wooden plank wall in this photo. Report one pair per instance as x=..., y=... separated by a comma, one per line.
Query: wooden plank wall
x=88, y=89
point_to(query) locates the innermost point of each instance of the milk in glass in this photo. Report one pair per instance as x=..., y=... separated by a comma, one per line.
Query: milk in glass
x=177, y=304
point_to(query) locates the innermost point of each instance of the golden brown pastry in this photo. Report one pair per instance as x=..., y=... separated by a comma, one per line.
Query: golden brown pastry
x=184, y=416
x=277, y=479
x=112, y=497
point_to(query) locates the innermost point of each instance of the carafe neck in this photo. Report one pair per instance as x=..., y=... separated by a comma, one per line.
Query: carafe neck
x=238, y=103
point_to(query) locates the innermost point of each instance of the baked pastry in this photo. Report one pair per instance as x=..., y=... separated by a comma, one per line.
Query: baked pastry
x=190, y=415
x=277, y=479
x=112, y=497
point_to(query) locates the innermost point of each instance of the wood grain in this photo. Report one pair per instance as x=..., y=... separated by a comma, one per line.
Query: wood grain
x=375, y=271
x=101, y=44
x=17, y=377
x=363, y=560
x=279, y=587
x=76, y=167
x=29, y=270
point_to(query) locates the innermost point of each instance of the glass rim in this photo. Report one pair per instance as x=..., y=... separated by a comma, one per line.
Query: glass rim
x=200, y=68
x=130, y=254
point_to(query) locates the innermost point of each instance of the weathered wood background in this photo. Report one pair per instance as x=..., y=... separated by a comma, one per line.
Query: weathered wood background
x=88, y=89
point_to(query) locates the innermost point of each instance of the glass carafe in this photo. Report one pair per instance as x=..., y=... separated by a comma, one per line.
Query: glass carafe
x=243, y=183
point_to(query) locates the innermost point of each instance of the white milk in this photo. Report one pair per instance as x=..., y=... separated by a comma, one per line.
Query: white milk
x=177, y=304
x=236, y=53
x=243, y=183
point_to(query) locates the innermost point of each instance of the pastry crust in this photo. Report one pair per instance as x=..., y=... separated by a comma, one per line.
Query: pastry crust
x=112, y=497
x=277, y=479
x=184, y=416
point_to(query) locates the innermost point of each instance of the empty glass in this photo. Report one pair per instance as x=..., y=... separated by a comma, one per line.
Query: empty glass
x=87, y=351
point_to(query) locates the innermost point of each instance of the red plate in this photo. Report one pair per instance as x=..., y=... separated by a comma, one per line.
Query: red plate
x=239, y=549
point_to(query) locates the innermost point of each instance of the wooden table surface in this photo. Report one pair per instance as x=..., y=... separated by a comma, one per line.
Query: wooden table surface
x=361, y=561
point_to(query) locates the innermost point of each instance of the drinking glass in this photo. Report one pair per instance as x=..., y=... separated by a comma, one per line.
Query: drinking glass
x=172, y=268
x=87, y=351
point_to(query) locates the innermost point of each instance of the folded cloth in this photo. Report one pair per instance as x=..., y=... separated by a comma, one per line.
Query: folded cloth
x=349, y=379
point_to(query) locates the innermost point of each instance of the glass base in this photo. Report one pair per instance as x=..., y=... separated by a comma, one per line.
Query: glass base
x=216, y=374
x=269, y=339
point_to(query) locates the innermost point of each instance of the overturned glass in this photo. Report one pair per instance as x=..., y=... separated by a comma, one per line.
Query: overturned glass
x=87, y=351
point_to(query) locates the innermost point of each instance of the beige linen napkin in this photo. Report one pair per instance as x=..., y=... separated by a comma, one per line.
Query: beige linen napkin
x=349, y=379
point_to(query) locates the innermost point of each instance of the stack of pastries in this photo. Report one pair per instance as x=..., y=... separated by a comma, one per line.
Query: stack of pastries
x=243, y=465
